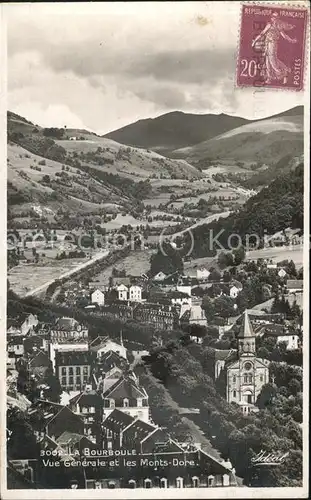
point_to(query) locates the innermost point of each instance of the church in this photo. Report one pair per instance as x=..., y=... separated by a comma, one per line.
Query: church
x=247, y=374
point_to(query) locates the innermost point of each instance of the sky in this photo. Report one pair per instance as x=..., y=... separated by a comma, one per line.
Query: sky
x=100, y=66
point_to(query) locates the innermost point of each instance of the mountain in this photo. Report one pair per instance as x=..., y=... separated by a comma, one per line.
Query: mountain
x=265, y=141
x=273, y=209
x=174, y=130
x=78, y=170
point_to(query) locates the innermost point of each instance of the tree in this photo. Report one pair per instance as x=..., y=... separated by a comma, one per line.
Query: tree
x=167, y=259
x=239, y=255
x=214, y=275
x=266, y=395
x=208, y=307
x=46, y=179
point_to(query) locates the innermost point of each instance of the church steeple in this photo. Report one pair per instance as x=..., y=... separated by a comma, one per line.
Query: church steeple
x=246, y=336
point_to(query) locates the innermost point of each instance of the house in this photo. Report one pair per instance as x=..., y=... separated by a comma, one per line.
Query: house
x=109, y=368
x=152, y=444
x=197, y=315
x=135, y=293
x=73, y=369
x=88, y=405
x=282, y=273
x=15, y=347
x=159, y=276
x=115, y=281
x=52, y=419
x=128, y=396
x=70, y=345
x=179, y=298
x=291, y=340
x=202, y=273
x=67, y=329
x=294, y=286
x=75, y=444
x=122, y=292
x=102, y=345
x=162, y=316
x=98, y=297
x=184, y=289
x=235, y=289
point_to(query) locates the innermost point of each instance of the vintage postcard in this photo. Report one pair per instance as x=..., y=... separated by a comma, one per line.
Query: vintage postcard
x=155, y=269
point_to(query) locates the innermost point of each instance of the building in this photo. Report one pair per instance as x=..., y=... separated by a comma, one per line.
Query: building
x=135, y=293
x=98, y=297
x=102, y=345
x=282, y=273
x=248, y=374
x=291, y=340
x=128, y=396
x=73, y=369
x=294, y=286
x=203, y=274
x=88, y=406
x=52, y=419
x=122, y=292
x=163, y=317
x=73, y=345
x=67, y=329
x=159, y=276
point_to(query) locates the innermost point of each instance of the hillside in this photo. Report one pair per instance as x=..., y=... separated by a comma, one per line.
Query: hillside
x=76, y=170
x=174, y=130
x=274, y=208
x=265, y=141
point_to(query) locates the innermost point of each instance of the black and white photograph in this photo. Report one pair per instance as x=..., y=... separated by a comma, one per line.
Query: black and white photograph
x=155, y=249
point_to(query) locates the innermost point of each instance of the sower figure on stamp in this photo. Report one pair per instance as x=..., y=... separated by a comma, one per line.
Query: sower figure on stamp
x=275, y=69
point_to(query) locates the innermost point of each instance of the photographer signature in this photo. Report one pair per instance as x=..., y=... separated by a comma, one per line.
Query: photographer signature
x=265, y=458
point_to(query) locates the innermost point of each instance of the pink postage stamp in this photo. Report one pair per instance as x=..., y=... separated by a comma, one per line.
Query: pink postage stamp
x=272, y=47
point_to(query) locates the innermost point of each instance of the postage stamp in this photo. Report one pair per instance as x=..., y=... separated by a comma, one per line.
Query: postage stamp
x=272, y=47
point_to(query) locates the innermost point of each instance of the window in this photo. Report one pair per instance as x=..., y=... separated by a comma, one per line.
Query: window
x=210, y=480
x=163, y=482
x=70, y=380
x=112, y=403
x=179, y=482
x=78, y=370
x=70, y=370
x=64, y=381
x=132, y=483
x=78, y=380
x=147, y=483
x=248, y=365
x=125, y=403
x=85, y=370
x=234, y=379
x=139, y=402
x=234, y=394
x=109, y=433
x=261, y=378
x=64, y=370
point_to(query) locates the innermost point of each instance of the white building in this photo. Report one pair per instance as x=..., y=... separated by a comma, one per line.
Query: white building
x=122, y=291
x=282, y=273
x=234, y=291
x=98, y=297
x=184, y=289
x=160, y=276
x=203, y=273
x=292, y=341
x=135, y=292
x=103, y=345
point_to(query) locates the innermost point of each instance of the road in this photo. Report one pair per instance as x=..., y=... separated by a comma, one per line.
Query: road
x=67, y=274
x=206, y=220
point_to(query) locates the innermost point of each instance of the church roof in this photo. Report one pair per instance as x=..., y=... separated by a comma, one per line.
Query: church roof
x=246, y=330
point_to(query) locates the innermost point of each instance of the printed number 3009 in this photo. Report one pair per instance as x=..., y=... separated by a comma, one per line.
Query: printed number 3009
x=249, y=68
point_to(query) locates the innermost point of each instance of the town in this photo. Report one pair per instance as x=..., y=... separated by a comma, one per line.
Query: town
x=83, y=392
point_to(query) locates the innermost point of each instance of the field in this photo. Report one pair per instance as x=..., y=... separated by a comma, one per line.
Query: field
x=136, y=263
x=25, y=277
